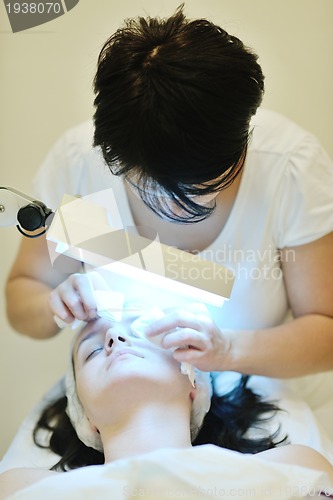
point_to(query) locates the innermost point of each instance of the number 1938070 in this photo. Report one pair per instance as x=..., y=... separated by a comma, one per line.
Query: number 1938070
x=34, y=8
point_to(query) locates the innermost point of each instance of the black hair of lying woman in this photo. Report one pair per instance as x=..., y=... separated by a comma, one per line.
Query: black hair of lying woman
x=226, y=425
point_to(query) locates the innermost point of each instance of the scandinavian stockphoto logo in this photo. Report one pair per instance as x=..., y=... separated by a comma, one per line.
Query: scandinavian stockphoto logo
x=90, y=229
x=25, y=15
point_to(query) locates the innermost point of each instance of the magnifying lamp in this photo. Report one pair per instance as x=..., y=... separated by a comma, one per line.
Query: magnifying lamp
x=20, y=210
x=90, y=230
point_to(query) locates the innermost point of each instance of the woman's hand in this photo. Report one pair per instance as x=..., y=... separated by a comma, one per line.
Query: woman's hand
x=74, y=298
x=195, y=338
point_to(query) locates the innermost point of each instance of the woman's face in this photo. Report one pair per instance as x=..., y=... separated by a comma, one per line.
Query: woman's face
x=116, y=371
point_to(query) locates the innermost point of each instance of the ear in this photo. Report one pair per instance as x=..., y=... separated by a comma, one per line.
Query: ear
x=92, y=426
x=193, y=392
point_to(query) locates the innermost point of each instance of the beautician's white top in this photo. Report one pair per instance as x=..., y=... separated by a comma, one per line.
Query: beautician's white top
x=285, y=199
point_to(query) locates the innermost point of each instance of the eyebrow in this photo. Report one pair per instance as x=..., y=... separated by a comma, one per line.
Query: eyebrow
x=87, y=337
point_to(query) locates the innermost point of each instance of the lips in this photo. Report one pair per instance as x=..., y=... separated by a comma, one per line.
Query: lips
x=121, y=352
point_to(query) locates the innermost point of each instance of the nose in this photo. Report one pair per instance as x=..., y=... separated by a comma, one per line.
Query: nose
x=113, y=338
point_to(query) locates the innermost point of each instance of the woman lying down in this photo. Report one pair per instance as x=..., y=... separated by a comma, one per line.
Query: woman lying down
x=127, y=397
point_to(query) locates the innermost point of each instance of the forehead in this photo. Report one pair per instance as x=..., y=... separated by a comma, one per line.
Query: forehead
x=99, y=325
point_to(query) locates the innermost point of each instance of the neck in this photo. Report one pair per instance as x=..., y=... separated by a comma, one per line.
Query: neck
x=150, y=428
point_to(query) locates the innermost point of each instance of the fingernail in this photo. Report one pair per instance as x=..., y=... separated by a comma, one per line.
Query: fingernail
x=59, y=322
x=92, y=314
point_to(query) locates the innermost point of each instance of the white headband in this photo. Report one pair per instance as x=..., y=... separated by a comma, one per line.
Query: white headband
x=91, y=437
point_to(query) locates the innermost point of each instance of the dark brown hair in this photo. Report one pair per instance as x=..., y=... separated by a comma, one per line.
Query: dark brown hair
x=225, y=425
x=174, y=99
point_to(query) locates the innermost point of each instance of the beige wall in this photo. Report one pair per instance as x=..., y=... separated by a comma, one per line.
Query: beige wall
x=45, y=84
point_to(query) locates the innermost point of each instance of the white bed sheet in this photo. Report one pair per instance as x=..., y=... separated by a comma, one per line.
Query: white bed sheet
x=194, y=473
x=304, y=425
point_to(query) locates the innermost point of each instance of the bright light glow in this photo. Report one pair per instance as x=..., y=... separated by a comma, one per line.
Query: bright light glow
x=81, y=229
x=177, y=287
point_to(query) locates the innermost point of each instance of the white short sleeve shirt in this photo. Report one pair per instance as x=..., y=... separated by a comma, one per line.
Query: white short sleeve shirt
x=285, y=199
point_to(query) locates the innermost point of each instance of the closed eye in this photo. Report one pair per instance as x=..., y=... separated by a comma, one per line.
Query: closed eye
x=94, y=352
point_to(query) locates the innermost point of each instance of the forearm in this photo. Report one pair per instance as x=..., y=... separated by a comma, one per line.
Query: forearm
x=28, y=310
x=300, y=347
